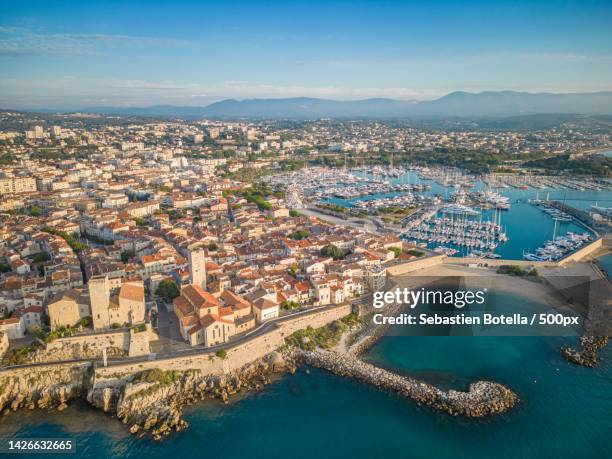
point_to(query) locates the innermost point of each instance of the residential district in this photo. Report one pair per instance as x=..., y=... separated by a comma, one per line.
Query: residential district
x=158, y=231
x=140, y=238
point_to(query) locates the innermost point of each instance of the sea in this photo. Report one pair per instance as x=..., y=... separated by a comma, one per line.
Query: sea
x=564, y=410
x=526, y=225
x=606, y=263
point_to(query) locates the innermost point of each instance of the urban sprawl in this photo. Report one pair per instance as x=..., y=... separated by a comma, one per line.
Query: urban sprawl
x=183, y=234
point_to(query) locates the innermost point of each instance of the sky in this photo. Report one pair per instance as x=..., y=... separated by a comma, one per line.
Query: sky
x=69, y=54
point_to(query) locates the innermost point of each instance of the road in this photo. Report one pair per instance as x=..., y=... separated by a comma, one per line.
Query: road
x=364, y=224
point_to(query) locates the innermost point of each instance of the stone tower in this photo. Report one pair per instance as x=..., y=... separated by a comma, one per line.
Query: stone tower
x=197, y=267
x=99, y=294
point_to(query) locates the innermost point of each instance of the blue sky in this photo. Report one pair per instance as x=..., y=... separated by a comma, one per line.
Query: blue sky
x=58, y=54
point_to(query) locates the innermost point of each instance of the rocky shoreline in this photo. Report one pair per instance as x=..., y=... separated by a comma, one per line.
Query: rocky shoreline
x=46, y=388
x=150, y=402
x=484, y=398
x=588, y=353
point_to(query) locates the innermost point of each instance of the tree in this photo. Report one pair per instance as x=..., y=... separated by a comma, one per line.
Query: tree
x=294, y=213
x=41, y=257
x=511, y=270
x=299, y=234
x=288, y=305
x=127, y=255
x=396, y=250
x=168, y=290
x=335, y=252
x=35, y=211
x=221, y=353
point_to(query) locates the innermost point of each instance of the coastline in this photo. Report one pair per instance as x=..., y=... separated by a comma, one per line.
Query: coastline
x=151, y=402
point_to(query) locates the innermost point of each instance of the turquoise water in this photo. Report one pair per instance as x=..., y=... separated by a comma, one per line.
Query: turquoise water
x=564, y=411
x=526, y=225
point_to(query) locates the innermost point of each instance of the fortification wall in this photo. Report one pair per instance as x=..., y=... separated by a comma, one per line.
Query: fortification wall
x=576, y=256
x=237, y=355
x=207, y=362
x=138, y=343
x=415, y=265
x=93, y=343
x=497, y=262
x=583, y=252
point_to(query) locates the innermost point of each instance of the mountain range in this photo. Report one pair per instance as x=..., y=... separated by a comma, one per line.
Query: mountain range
x=455, y=104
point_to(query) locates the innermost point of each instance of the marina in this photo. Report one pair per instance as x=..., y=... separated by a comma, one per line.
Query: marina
x=455, y=213
x=558, y=247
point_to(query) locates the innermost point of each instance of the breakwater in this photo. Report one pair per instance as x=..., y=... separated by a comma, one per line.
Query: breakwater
x=588, y=353
x=484, y=398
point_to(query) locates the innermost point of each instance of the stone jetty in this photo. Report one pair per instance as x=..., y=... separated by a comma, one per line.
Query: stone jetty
x=484, y=398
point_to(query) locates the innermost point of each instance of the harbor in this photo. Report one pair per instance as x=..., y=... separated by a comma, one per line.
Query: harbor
x=453, y=230
x=452, y=212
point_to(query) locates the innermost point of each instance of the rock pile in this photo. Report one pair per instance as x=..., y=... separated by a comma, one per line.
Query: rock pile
x=587, y=355
x=484, y=398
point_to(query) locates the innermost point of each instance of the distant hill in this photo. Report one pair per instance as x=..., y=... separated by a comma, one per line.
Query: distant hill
x=307, y=107
x=456, y=104
x=512, y=103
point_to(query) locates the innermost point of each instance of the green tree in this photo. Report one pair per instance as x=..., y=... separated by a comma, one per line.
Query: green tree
x=41, y=257
x=221, y=353
x=288, y=305
x=168, y=290
x=335, y=252
x=299, y=234
x=127, y=255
